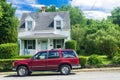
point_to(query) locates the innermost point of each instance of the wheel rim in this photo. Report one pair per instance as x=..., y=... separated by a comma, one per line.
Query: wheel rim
x=65, y=70
x=22, y=71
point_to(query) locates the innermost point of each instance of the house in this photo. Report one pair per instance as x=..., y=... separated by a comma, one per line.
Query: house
x=43, y=31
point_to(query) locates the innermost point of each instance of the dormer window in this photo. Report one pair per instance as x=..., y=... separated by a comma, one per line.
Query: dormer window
x=29, y=25
x=58, y=24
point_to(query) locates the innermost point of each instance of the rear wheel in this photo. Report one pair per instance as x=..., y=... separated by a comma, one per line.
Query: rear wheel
x=65, y=69
x=22, y=71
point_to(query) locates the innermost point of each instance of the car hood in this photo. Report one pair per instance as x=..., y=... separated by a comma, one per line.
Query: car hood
x=24, y=60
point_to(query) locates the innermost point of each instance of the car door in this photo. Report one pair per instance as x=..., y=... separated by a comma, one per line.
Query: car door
x=39, y=61
x=53, y=60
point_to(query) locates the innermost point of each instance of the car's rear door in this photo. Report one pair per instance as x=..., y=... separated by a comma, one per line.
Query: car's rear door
x=53, y=60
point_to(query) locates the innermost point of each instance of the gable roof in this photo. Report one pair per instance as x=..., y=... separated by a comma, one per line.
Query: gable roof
x=45, y=21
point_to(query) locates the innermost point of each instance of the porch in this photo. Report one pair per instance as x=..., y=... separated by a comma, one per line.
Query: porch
x=32, y=46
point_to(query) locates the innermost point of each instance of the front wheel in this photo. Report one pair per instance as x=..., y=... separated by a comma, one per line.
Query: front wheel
x=65, y=69
x=22, y=71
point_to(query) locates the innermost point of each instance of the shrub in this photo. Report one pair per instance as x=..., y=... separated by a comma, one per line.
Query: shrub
x=71, y=44
x=95, y=61
x=6, y=64
x=22, y=57
x=83, y=61
x=116, y=59
x=8, y=50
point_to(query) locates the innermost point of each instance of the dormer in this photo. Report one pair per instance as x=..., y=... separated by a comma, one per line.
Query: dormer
x=29, y=23
x=58, y=22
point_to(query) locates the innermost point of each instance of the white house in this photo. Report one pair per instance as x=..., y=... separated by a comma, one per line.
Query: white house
x=43, y=31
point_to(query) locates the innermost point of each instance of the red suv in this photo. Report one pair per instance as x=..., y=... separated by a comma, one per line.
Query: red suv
x=50, y=60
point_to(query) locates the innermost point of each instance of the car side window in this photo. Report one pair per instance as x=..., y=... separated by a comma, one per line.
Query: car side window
x=68, y=54
x=53, y=54
x=41, y=55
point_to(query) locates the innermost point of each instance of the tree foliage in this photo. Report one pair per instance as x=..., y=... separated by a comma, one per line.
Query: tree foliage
x=115, y=16
x=8, y=23
x=0, y=12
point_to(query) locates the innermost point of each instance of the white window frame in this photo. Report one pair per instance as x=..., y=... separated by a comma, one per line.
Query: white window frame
x=58, y=18
x=29, y=26
x=29, y=19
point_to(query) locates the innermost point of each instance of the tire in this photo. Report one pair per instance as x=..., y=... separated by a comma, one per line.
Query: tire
x=22, y=71
x=65, y=69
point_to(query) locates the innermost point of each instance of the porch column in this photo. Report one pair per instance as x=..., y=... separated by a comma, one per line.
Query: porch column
x=20, y=45
x=48, y=46
x=36, y=45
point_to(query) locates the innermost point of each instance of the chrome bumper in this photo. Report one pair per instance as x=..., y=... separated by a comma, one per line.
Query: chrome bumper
x=14, y=68
x=76, y=66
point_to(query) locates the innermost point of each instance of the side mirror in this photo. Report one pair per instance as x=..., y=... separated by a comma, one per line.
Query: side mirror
x=33, y=58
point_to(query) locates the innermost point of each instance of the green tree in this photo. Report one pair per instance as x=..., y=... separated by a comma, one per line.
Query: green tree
x=78, y=34
x=76, y=14
x=0, y=12
x=8, y=23
x=115, y=16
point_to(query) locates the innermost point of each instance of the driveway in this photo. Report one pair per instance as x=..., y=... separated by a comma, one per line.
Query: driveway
x=96, y=75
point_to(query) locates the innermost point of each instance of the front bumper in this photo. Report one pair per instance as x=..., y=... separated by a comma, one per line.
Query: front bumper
x=14, y=68
x=76, y=66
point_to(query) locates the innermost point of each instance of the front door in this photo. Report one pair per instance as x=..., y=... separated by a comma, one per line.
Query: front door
x=39, y=61
x=43, y=45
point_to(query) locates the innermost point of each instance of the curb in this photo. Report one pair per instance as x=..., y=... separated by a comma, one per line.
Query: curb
x=97, y=69
x=78, y=70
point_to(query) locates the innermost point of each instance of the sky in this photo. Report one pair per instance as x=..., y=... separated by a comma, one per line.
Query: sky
x=95, y=9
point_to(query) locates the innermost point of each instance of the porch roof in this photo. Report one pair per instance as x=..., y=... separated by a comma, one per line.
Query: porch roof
x=42, y=35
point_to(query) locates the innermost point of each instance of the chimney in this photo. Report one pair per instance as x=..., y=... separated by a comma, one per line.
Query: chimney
x=43, y=8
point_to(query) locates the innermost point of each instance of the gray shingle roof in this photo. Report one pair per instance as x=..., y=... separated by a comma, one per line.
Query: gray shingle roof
x=45, y=21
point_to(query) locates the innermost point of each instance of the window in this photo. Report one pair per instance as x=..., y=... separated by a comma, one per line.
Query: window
x=29, y=44
x=58, y=24
x=68, y=54
x=58, y=43
x=53, y=54
x=41, y=55
x=29, y=25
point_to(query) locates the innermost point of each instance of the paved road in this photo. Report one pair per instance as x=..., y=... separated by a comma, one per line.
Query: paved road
x=96, y=75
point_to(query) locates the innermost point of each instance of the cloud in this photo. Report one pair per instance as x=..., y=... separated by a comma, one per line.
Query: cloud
x=38, y=6
x=92, y=8
x=22, y=1
x=96, y=14
x=20, y=12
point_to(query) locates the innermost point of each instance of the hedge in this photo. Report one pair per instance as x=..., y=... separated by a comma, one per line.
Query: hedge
x=71, y=44
x=8, y=50
x=6, y=64
x=95, y=61
x=116, y=59
x=83, y=61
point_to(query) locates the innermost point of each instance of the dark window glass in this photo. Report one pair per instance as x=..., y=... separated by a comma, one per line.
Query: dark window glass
x=41, y=55
x=68, y=54
x=58, y=24
x=53, y=54
x=29, y=44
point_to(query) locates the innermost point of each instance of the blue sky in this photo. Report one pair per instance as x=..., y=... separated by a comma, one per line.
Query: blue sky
x=96, y=9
